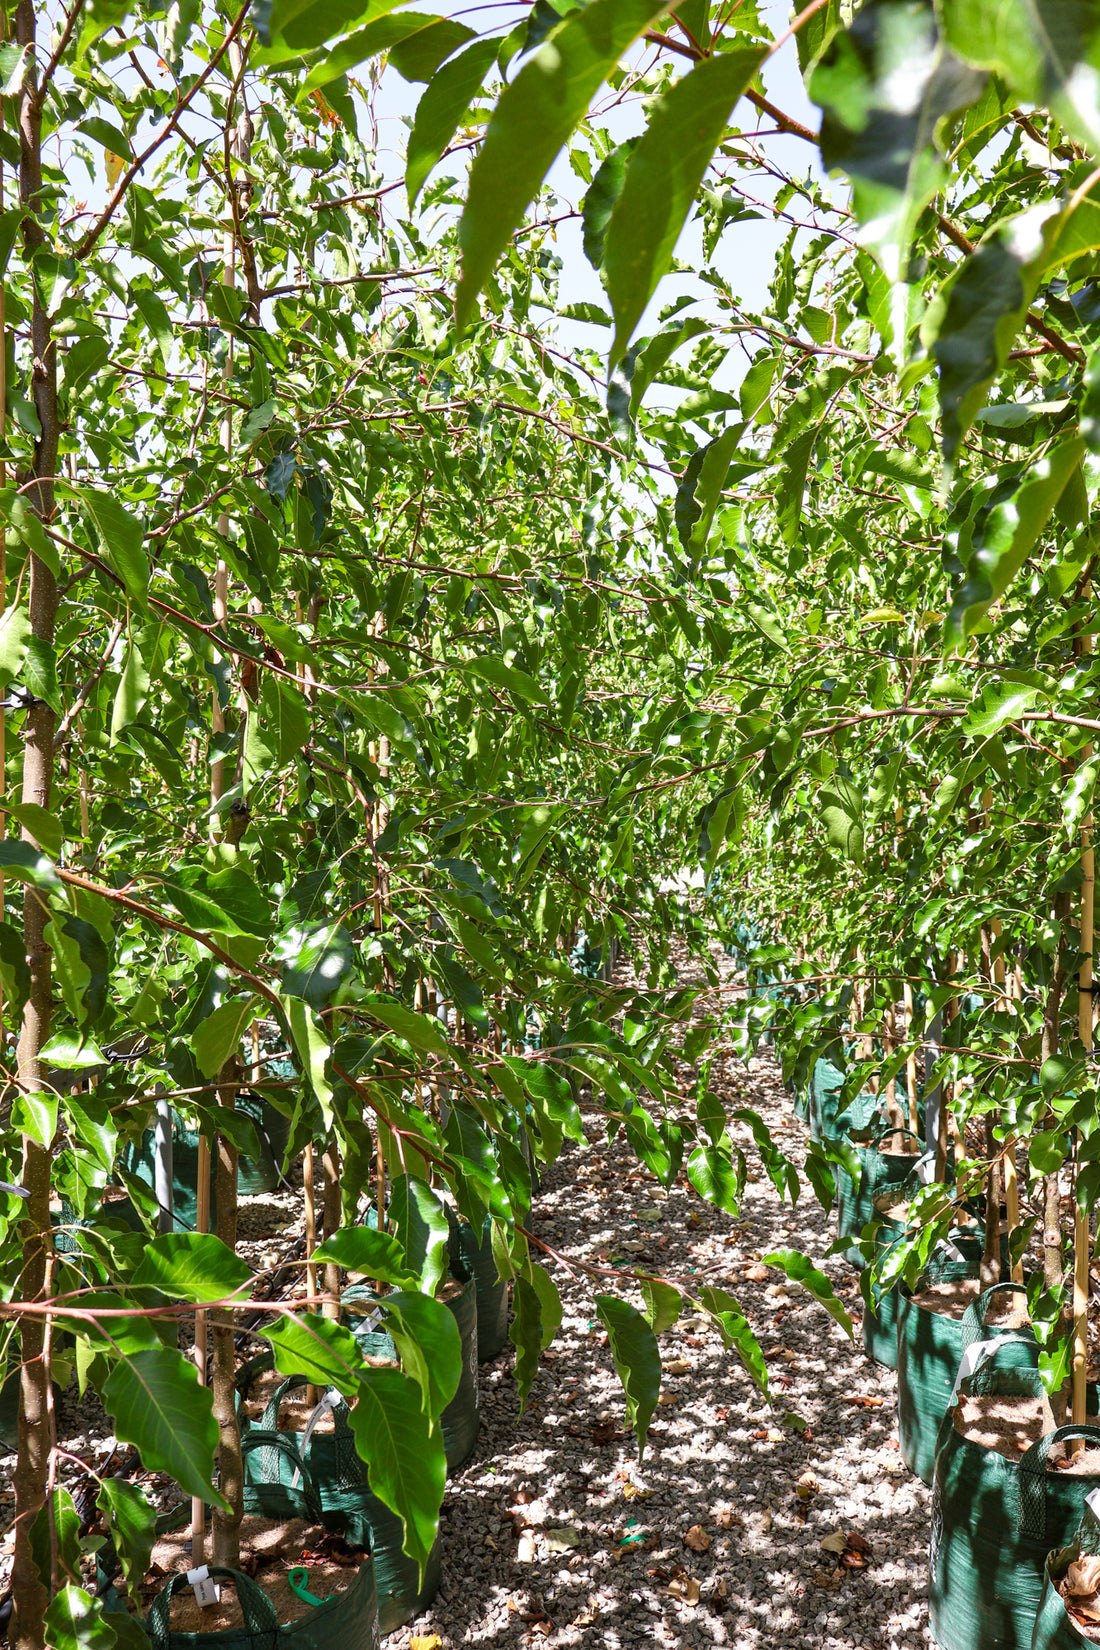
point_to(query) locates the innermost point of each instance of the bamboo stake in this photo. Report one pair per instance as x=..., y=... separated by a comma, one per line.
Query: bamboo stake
x=1011, y=1177
x=1082, y=1249
x=911, y=1062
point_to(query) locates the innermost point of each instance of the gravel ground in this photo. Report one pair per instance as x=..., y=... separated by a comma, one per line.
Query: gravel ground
x=722, y=1472
x=556, y=1535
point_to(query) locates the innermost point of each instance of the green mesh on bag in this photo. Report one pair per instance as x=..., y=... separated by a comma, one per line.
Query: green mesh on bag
x=994, y=1521
x=823, y=1110
x=855, y=1205
x=473, y=1258
x=347, y=1621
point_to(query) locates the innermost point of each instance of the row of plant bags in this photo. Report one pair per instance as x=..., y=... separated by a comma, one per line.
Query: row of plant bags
x=879, y=1172
x=996, y=1515
x=274, y=1460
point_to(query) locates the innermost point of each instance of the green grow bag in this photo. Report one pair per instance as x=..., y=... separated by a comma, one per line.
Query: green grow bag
x=880, y=1315
x=855, y=1206
x=252, y=1177
x=823, y=1113
x=461, y=1420
x=473, y=1259
x=347, y=1503
x=1055, y=1628
x=930, y=1349
x=994, y=1522
x=347, y=1621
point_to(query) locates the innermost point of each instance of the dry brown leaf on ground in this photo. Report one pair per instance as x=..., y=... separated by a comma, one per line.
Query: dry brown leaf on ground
x=835, y=1543
x=828, y=1580
x=697, y=1539
x=431, y=1641
x=756, y=1274
x=684, y=1587
x=678, y=1366
x=862, y=1401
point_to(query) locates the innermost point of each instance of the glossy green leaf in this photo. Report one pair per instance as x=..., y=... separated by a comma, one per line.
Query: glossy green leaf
x=663, y=173
x=406, y=1465
x=532, y=120
x=736, y=1331
x=440, y=110
x=191, y=1266
x=374, y=1254
x=634, y=1349
x=156, y=1403
x=324, y=1351
x=800, y=1270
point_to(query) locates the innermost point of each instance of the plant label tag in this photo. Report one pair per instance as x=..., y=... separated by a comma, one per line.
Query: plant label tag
x=206, y=1592
x=1092, y=1502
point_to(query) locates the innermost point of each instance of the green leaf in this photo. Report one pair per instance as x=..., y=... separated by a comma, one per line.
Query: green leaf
x=419, y=1224
x=218, y=1037
x=15, y=633
x=1047, y=1151
x=532, y=120
x=800, y=1270
x=550, y=1308
x=315, y=962
x=323, y=1351
x=34, y=1113
x=418, y=55
x=440, y=110
x=406, y=1464
x=1000, y=703
x=155, y=315
x=82, y=965
x=600, y=198
x=498, y=674
x=841, y=807
x=1007, y=536
x=158, y=1406
x=132, y=1522
x=27, y=864
x=66, y=1523
x=710, y=1170
x=44, y=826
x=420, y=1031
x=663, y=174
x=1046, y=54
x=429, y=1344
x=525, y=1334
x=735, y=1331
x=376, y=1255
x=313, y=1049
x=191, y=1266
x=634, y=1349
x=663, y=1304
x=700, y=490
x=120, y=539
x=75, y=1620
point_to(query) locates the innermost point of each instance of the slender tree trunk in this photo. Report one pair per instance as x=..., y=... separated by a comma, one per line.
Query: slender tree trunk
x=226, y=1526
x=1052, y=1212
x=332, y=1224
x=32, y=1460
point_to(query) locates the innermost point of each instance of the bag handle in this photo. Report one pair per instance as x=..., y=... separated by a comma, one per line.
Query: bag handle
x=1031, y=1510
x=888, y=1134
x=261, y=1622
x=270, y=1418
x=282, y=1443
x=973, y=1319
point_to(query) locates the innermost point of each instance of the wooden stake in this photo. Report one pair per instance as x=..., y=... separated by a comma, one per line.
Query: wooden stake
x=1082, y=1247
x=911, y=1084
x=1011, y=1178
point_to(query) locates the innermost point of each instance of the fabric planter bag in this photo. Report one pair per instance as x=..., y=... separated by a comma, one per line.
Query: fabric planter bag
x=471, y=1258
x=880, y=1318
x=461, y=1419
x=348, y=1504
x=1055, y=1628
x=855, y=1205
x=930, y=1350
x=826, y=1120
x=994, y=1521
x=347, y=1621
x=263, y=1175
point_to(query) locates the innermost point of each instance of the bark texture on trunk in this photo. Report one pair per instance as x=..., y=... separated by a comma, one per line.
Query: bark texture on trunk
x=32, y=1460
x=226, y=1526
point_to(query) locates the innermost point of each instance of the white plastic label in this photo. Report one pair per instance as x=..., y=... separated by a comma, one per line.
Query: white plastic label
x=1092, y=1502
x=206, y=1592
x=926, y=1169
x=971, y=1358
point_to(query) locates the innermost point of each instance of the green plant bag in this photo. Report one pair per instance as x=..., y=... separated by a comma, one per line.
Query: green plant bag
x=348, y=1504
x=278, y=1483
x=347, y=1621
x=930, y=1350
x=473, y=1258
x=1055, y=1628
x=823, y=1113
x=262, y=1175
x=461, y=1420
x=855, y=1205
x=880, y=1316
x=994, y=1522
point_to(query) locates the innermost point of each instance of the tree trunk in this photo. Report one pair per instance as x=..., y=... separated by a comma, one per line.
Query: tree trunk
x=331, y=1215
x=32, y=1461
x=226, y=1526
x=1052, y=1213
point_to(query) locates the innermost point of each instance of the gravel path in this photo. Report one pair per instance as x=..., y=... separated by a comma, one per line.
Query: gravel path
x=763, y=1495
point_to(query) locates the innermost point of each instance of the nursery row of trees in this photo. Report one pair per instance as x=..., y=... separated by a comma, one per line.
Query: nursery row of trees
x=370, y=658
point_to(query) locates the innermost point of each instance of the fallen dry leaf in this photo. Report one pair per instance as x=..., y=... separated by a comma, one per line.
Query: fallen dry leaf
x=828, y=1580
x=863, y=1402
x=431, y=1642
x=726, y=1518
x=762, y=1433
x=755, y=1274
x=686, y=1588
x=722, y=1589
x=807, y=1485
x=859, y=1543
x=1082, y=1579
x=635, y=1492
x=697, y=1539
x=834, y=1543
x=678, y=1366
x=668, y=1398
x=560, y=1541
